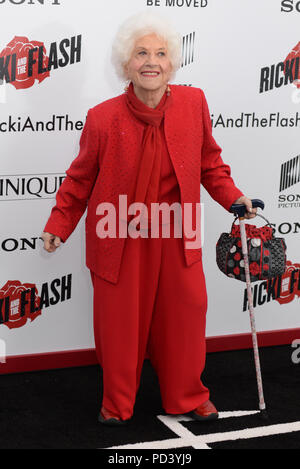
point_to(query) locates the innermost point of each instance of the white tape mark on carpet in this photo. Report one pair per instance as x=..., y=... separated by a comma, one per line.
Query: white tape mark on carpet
x=185, y=438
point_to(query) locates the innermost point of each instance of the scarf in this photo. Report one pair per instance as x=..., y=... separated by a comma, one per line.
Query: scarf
x=147, y=185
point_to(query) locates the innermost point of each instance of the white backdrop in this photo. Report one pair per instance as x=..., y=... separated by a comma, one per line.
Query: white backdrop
x=234, y=41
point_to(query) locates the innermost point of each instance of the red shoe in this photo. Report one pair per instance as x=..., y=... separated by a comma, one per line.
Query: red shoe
x=108, y=418
x=205, y=411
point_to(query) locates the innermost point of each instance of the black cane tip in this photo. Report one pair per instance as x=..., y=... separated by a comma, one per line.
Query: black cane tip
x=264, y=414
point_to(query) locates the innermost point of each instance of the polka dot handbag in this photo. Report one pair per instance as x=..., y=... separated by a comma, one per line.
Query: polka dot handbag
x=267, y=254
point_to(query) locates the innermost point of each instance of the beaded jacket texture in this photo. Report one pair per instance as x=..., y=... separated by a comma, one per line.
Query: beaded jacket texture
x=107, y=166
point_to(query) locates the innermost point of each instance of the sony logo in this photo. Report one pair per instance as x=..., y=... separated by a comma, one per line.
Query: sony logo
x=29, y=2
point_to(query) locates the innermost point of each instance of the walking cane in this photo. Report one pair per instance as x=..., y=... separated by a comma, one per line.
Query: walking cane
x=240, y=210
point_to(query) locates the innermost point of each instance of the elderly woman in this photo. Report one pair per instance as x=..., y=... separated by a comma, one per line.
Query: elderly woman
x=152, y=144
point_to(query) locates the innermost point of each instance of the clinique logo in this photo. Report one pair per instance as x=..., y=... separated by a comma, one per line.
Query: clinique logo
x=30, y=2
x=290, y=5
x=30, y=186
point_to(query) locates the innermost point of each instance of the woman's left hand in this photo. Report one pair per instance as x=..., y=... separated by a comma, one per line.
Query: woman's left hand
x=251, y=212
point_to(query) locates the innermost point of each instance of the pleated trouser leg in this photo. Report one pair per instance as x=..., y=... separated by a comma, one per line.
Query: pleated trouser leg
x=177, y=345
x=158, y=305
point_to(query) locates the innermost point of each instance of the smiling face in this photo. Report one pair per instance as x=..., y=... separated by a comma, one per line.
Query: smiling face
x=149, y=67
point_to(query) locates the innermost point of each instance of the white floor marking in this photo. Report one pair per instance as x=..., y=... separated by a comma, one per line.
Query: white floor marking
x=253, y=432
x=185, y=438
x=237, y=413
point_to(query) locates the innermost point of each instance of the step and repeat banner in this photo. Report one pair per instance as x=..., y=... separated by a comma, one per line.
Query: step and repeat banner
x=55, y=65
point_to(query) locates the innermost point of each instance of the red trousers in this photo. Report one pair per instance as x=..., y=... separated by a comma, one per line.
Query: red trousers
x=158, y=306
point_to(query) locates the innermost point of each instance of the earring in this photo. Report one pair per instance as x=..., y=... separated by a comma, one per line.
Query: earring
x=168, y=90
x=127, y=86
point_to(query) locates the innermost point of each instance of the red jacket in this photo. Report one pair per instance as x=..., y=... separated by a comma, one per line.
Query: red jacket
x=107, y=165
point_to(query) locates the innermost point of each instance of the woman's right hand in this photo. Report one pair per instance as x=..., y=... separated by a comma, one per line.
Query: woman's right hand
x=51, y=241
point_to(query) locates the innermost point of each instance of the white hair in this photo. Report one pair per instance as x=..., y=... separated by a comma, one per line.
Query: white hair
x=138, y=26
